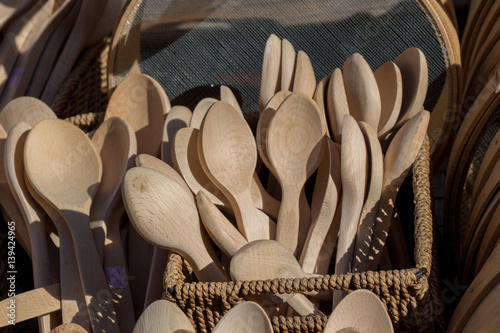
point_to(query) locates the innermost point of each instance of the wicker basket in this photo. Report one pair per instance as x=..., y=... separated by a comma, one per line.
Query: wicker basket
x=412, y=296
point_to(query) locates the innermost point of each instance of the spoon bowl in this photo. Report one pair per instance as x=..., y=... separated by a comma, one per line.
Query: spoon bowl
x=163, y=316
x=28, y=109
x=245, y=317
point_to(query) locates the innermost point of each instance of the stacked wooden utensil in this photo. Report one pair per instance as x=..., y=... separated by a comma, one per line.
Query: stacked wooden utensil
x=352, y=138
x=43, y=39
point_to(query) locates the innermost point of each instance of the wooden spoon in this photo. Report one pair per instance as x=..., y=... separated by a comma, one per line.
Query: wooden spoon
x=269, y=259
x=200, y=111
x=163, y=316
x=363, y=96
x=320, y=99
x=226, y=95
x=28, y=109
x=178, y=117
x=372, y=201
x=336, y=104
x=69, y=182
x=353, y=174
x=485, y=317
x=228, y=154
x=362, y=310
x=414, y=73
x=155, y=204
x=294, y=145
x=245, y=317
x=288, y=58
x=324, y=204
x=115, y=142
x=304, y=81
x=32, y=213
x=397, y=162
x=141, y=102
x=390, y=85
x=270, y=81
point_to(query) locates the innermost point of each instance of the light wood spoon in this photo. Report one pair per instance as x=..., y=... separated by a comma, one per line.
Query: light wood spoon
x=228, y=154
x=294, y=145
x=374, y=190
x=415, y=76
x=336, y=104
x=353, y=174
x=288, y=58
x=141, y=102
x=320, y=98
x=362, y=310
x=115, y=142
x=268, y=259
x=163, y=316
x=69, y=182
x=363, y=96
x=397, y=162
x=32, y=213
x=324, y=204
x=245, y=317
x=390, y=86
x=178, y=117
x=271, y=66
x=155, y=204
x=304, y=81
x=28, y=109
x=226, y=95
x=200, y=111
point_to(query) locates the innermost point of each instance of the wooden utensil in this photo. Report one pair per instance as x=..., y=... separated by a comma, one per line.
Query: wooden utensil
x=336, y=103
x=294, y=145
x=363, y=96
x=414, y=74
x=490, y=238
x=160, y=256
x=178, y=117
x=361, y=310
x=244, y=317
x=324, y=204
x=163, y=316
x=485, y=317
x=32, y=213
x=397, y=162
x=372, y=201
x=273, y=260
x=115, y=142
x=28, y=109
x=228, y=154
x=75, y=168
x=270, y=81
x=141, y=102
x=226, y=95
x=288, y=58
x=304, y=81
x=155, y=204
x=200, y=111
x=390, y=85
x=353, y=159
x=31, y=304
x=486, y=279
x=230, y=241
x=320, y=99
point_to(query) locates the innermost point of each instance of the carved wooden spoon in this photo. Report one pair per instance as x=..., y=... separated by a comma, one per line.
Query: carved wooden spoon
x=270, y=81
x=244, y=317
x=163, y=316
x=336, y=104
x=390, y=85
x=178, y=117
x=28, y=109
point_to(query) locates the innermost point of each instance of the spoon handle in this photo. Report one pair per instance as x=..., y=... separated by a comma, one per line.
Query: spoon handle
x=97, y=295
x=251, y=225
x=287, y=231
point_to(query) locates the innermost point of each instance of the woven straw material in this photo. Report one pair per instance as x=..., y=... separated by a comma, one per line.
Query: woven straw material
x=411, y=295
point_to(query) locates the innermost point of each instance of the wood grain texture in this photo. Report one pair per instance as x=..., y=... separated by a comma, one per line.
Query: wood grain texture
x=155, y=204
x=69, y=183
x=28, y=109
x=320, y=99
x=325, y=197
x=271, y=68
x=244, y=317
x=200, y=111
x=163, y=316
x=227, y=95
x=178, y=117
x=141, y=102
x=363, y=96
x=304, y=81
x=294, y=145
x=288, y=58
x=336, y=103
x=353, y=174
x=390, y=85
x=362, y=310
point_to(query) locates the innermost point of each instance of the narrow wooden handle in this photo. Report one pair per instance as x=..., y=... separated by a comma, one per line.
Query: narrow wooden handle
x=287, y=231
